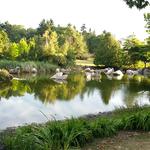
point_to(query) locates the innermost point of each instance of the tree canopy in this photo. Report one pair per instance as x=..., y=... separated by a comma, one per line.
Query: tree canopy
x=62, y=45
x=109, y=51
x=4, y=42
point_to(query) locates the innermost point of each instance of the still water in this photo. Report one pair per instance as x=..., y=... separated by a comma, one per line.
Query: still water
x=39, y=99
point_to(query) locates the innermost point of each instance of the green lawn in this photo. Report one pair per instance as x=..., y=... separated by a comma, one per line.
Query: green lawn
x=88, y=62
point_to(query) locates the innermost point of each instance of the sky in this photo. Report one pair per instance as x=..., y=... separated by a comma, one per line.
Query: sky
x=99, y=15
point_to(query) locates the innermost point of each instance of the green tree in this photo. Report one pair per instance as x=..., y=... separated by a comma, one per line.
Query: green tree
x=15, y=32
x=4, y=42
x=109, y=51
x=137, y=50
x=30, y=33
x=92, y=41
x=76, y=41
x=45, y=25
x=51, y=44
x=132, y=41
x=13, y=51
x=144, y=54
x=23, y=48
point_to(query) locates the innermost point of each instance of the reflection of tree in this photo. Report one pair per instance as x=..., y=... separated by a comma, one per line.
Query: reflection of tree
x=136, y=85
x=106, y=87
x=14, y=88
x=45, y=89
x=48, y=90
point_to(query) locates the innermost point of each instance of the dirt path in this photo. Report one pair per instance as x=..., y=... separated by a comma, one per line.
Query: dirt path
x=122, y=141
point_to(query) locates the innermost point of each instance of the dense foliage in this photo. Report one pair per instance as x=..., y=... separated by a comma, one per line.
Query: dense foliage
x=63, y=45
x=109, y=51
x=137, y=50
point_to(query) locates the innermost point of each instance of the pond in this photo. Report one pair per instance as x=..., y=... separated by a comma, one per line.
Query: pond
x=39, y=99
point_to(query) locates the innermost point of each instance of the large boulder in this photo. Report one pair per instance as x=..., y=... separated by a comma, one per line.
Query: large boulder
x=5, y=75
x=88, y=76
x=109, y=71
x=146, y=72
x=57, y=70
x=87, y=69
x=34, y=70
x=132, y=72
x=118, y=73
x=59, y=76
x=15, y=71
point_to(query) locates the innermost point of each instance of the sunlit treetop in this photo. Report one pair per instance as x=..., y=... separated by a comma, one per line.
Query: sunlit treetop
x=139, y=4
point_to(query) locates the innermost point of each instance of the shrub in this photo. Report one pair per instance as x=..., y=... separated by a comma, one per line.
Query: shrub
x=4, y=75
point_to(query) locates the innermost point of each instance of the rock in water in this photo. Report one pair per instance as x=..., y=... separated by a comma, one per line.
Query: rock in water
x=59, y=76
x=146, y=72
x=34, y=70
x=118, y=73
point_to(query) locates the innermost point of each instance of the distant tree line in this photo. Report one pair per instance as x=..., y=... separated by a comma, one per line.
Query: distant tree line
x=48, y=42
x=63, y=45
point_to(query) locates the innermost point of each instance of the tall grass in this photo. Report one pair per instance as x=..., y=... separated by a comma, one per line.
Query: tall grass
x=75, y=133
x=40, y=66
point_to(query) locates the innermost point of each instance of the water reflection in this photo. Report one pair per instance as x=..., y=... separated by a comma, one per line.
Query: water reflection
x=22, y=101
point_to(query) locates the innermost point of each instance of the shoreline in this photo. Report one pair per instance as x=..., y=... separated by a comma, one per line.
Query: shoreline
x=114, y=122
x=86, y=117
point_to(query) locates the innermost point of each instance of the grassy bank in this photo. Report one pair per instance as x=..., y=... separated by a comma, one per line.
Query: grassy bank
x=40, y=66
x=75, y=133
x=90, y=63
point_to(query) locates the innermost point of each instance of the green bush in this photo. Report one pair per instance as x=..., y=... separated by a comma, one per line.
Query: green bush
x=4, y=75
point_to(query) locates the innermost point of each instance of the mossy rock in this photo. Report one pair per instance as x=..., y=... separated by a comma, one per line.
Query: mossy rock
x=5, y=75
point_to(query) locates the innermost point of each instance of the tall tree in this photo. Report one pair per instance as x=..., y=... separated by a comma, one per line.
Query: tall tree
x=45, y=25
x=51, y=43
x=109, y=51
x=76, y=41
x=23, y=48
x=15, y=32
x=4, y=42
x=13, y=51
x=137, y=50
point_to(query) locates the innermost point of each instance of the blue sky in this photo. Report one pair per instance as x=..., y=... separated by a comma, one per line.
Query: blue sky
x=109, y=15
